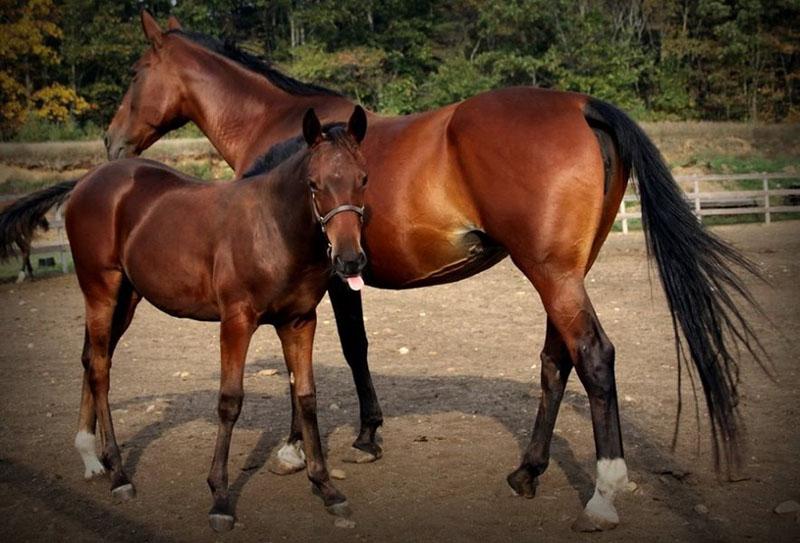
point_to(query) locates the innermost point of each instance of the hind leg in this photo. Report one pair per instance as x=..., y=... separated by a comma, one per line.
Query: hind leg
x=556, y=367
x=571, y=313
x=105, y=319
x=87, y=419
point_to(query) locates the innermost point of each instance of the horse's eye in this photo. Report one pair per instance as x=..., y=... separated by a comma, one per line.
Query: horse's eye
x=364, y=181
x=313, y=185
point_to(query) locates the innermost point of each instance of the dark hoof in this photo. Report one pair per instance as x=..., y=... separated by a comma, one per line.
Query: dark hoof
x=362, y=455
x=123, y=493
x=341, y=509
x=522, y=483
x=221, y=522
x=336, y=504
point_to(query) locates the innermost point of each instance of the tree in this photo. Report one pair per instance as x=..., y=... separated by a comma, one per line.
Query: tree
x=28, y=56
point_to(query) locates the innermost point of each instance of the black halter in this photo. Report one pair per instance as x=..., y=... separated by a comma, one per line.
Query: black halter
x=325, y=219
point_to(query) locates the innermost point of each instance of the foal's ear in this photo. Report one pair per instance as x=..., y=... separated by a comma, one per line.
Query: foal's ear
x=151, y=29
x=357, y=126
x=312, y=129
x=173, y=23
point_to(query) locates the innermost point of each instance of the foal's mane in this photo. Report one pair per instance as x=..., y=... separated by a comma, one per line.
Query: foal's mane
x=255, y=64
x=281, y=151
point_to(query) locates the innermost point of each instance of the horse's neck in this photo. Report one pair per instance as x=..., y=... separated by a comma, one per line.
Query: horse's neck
x=243, y=114
x=228, y=107
x=287, y=201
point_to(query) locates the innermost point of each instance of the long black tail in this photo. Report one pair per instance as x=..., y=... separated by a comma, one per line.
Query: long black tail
x=697, y=272
x=19, y=221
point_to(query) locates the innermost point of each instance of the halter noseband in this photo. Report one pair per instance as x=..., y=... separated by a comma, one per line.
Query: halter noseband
x=325, y=219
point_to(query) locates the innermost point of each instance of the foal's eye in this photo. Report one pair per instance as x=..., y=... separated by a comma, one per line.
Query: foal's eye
x=313, y=185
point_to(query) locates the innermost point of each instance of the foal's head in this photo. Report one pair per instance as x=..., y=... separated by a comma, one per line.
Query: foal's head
x=337, y=178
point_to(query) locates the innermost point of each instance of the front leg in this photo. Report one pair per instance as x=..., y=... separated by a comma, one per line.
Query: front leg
x=350, y=324
x=297, y=338
x=235, y=334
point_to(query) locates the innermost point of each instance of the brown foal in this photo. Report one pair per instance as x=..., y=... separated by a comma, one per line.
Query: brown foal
x=255, y=254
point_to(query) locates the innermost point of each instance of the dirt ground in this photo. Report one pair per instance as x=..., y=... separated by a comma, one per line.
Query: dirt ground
x=456, y=368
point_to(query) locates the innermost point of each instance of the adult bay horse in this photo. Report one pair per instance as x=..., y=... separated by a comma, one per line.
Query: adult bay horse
x=257, y=256
x=530, y=173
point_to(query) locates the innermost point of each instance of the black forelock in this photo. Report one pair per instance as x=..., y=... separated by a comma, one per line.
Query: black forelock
x=256, y=64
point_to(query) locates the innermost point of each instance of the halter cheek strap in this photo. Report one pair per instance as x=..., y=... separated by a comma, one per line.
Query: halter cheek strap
x=325, y=219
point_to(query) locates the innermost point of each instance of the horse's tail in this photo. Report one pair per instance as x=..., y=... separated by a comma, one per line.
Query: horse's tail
x=697, y=273
x=19, y=221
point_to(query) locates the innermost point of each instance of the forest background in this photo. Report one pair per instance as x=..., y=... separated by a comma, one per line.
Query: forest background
x=65, y=64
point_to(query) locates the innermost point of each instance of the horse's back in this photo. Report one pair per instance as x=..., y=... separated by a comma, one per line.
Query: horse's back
x=121, y=201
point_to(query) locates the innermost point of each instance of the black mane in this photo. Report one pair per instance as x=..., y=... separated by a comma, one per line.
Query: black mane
x=283, y=150
x=256, y=64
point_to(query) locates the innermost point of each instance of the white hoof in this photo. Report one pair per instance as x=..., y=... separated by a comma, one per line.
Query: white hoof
x=290, y=458
x=600, y=514
x=21, y=277
x=84, y=442
x=93, y=469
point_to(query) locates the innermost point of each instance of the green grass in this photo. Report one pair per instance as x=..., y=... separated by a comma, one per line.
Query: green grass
x=748, y=164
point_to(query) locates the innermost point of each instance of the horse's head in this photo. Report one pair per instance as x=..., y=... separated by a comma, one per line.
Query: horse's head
x=152, y=105
x=337, y=178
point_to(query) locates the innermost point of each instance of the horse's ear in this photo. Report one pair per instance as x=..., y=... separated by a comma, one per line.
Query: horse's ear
x=173, y=23
x=151, y=29
x=312, y=129
x=357, y=126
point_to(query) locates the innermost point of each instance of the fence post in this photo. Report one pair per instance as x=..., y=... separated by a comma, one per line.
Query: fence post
x=697, y=199
x=61, y=241
x=624, y=216
x=767, y=217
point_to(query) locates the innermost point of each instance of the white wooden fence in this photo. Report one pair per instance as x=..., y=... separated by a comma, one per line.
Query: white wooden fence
x=729, y=202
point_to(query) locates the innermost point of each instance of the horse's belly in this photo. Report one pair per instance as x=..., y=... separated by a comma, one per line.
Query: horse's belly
x=173, y=276
x=420, y=256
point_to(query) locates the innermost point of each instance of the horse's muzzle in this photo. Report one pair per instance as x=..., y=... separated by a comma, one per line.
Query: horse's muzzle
x=349, y=265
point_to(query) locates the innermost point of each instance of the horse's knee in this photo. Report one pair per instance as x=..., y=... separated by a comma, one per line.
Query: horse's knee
x=229, y=407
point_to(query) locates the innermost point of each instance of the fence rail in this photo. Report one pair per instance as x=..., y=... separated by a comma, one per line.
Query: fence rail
x=729, y=202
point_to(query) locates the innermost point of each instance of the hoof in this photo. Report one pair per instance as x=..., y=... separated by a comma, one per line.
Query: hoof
x=94, y=471
x=289, y=459
x=341, y=509
x=522, y=483
x=360, y=456
x=21, y=277
x=123, y=493
x=590, y=523
x=220, y=522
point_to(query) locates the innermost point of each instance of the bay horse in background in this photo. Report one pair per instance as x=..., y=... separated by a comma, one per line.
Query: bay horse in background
x=258, y=256
x=533, y=174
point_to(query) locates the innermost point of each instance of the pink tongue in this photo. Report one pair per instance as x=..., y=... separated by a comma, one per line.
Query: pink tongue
x=355, y=283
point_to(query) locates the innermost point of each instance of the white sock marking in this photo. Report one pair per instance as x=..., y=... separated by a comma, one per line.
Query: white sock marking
x=292, y=454
x=612, y=476
x=21, y=276
x=84, y=442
